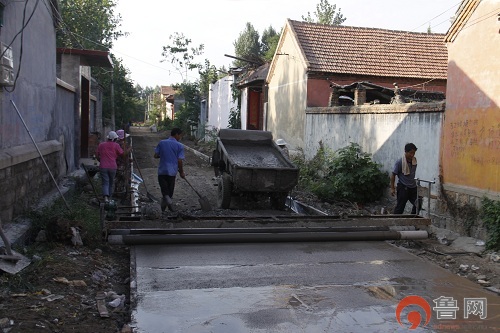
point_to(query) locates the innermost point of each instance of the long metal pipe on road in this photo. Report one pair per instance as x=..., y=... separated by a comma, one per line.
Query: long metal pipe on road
x=258, y=237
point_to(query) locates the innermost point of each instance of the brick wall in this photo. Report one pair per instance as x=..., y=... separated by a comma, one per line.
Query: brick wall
x=24, y=177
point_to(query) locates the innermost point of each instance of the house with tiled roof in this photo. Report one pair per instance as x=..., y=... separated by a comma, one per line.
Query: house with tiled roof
x=470, y=145
x=168, y=96
x=252, y=87
x=330, y=86
x=313, y=61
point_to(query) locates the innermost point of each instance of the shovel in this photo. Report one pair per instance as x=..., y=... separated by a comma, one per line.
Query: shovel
x=149, y=195
x=205, y=205
x=12, y=262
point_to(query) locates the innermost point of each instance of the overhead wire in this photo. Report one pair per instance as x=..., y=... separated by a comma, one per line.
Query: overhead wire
x=77, y=38
x=24, y=25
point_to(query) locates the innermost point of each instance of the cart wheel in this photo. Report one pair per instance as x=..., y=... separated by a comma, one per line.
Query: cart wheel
x=278, y=200
x=224, y=191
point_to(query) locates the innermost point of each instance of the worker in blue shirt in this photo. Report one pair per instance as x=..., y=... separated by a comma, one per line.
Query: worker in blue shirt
x=171, y=154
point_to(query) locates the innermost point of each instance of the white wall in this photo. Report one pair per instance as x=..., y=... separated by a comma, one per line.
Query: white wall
x=381, y=134
x=220, y=103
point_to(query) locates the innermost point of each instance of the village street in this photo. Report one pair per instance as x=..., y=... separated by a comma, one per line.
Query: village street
x=282, y=287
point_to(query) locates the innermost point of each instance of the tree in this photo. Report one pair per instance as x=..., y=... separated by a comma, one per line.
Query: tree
x=247, y=46
x=127, y=101
x=181, y=55
x=269, y=42
x=88, y=24
x=92, y=24
x=325, y=14
x=187, y=117
x=208, y=74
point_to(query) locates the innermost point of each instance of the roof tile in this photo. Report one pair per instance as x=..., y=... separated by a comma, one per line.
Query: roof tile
x=370, y=51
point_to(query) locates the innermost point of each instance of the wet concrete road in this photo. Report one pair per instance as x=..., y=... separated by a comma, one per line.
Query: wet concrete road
x=299, y=287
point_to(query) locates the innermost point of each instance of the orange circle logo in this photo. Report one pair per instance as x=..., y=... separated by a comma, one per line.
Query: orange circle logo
x=414, y=317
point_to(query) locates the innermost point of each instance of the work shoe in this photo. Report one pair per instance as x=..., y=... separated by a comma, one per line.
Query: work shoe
x=164, y=203
x=169, y=203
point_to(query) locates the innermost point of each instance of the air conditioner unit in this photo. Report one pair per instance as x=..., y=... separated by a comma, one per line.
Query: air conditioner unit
x=6, y=66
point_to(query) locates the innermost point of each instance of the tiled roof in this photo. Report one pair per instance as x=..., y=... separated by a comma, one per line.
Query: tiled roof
x=167, y=90
x=370, y=51
x=258, y=74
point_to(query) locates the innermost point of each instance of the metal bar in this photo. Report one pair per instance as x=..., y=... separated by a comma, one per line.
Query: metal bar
x=263, y=237
x=158, y=231
x=40, y=153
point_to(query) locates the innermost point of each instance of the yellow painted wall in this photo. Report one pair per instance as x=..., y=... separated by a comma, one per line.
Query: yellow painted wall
x=470, y=146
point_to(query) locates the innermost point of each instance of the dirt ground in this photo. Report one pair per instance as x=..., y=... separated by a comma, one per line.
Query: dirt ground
x=38, y=299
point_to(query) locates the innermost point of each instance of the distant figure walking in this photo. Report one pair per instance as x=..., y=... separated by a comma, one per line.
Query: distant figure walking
x=171, y=154
x=107, y=153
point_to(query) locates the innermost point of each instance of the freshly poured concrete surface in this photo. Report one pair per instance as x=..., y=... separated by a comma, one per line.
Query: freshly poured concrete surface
x=294, y=287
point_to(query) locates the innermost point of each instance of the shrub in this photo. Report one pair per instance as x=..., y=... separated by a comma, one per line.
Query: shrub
x=347, y=174
x=490, y=214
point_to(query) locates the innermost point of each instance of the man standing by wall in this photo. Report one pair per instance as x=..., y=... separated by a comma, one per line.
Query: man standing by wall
x=171, y=153
x=405, y=168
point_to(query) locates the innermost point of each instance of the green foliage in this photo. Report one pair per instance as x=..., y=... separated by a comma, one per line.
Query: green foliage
x=208, y=75
x=269, y=43
x=92, y=24
x=234, y=119
x=325, y=14
x=81, y=214
x=88, y=24
x=182, y=55
x=251, y=46
x=247, y=45
x=347, y=174
x=127, y=102
x=186, y=118
x=490, y=215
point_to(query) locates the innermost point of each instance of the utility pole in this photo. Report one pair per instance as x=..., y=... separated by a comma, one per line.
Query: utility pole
x=113, y=125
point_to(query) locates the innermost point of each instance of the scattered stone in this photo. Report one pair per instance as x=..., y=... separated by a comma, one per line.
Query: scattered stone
x=474, y=268
x=98, y=251
x=482, y=277
x=74, y=283
x=443, y=240
x=115, y=303
x=41, y=237
x=126, y=329
x=76, y=239
x=468, y=244
x=494, y=289
x=494, y=257
x=36, y=258
x=463, y=268
x=471, y=277
x=4, y=323
x=51, y=298
x=483, y=283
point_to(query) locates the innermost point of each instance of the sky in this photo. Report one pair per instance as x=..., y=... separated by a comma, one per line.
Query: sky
x=217, y=24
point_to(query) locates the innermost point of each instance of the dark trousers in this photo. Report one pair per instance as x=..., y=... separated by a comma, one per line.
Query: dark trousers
x=403, y=195
x=167, y=185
